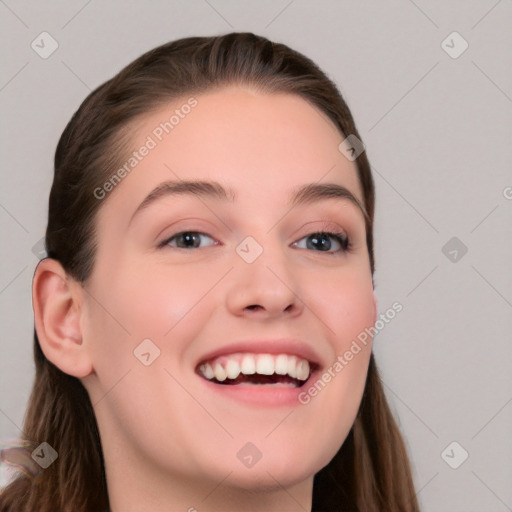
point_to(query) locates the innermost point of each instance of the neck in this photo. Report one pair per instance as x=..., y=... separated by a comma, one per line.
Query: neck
x=136, y=484
x=132, y=489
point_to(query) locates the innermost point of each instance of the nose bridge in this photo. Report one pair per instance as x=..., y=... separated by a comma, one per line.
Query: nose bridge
x=262, y=276
x=262, y=254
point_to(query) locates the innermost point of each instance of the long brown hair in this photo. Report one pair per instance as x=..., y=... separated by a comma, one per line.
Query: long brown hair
x=371, y=471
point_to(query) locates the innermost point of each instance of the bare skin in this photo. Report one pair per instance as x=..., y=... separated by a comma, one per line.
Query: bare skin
x=169, y=441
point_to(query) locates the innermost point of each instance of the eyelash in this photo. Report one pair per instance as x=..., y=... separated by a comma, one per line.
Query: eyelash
x=340, y=236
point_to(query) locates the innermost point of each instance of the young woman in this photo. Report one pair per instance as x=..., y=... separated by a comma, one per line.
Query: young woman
x=199, y=316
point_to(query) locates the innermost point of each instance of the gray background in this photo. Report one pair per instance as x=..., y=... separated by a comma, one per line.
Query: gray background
x=438, y=134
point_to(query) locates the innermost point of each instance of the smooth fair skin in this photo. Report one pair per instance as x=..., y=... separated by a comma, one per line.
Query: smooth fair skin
x=170, y=443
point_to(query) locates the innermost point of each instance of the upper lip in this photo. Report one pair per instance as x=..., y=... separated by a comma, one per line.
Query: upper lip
x=276, y=346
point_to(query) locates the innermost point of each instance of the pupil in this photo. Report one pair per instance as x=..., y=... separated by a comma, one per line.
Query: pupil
x=322, y=241
x=189, y=237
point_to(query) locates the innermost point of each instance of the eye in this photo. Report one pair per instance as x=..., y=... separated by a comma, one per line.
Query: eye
x=322, y=241
x=185, y=240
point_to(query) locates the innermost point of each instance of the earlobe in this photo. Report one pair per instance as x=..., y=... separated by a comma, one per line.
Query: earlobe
x=56, y=300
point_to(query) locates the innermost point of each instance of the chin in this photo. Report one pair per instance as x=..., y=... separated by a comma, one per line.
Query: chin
x=275, y=472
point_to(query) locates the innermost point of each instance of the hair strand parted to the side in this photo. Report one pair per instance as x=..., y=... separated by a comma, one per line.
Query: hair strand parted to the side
x=371, y=471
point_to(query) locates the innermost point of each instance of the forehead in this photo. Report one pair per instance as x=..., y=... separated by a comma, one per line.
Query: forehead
x=259, y=144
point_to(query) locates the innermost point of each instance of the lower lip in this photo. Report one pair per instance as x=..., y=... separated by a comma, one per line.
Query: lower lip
x=261, y=394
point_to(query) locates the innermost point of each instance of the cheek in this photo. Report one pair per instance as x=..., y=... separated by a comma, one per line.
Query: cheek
x=344, y=301
x=352, y=317
x=144, y=303
x=130, y=307
x=345, y=305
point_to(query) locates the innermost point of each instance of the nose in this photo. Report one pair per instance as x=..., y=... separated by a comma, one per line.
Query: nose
x=266, y=288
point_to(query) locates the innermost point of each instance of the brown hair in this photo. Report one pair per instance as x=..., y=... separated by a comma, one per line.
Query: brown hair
x=371, y=471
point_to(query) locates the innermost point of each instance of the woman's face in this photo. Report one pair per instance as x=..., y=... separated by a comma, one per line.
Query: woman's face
x=186, y=280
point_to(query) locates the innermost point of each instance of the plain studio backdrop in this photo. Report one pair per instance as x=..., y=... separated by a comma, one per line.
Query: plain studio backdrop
x=430, y=88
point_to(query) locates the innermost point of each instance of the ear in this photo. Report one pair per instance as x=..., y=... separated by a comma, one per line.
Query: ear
x=57, y=301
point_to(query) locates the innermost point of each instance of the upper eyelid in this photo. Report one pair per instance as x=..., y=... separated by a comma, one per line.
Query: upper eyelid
x=325, y=225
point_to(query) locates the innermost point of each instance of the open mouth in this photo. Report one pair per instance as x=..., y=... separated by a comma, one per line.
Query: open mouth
x=249, y=369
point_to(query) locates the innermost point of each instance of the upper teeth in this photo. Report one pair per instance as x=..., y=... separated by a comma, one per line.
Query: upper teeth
x=232, y=366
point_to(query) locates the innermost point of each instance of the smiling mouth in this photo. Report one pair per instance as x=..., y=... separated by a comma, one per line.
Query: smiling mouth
x=249, y=369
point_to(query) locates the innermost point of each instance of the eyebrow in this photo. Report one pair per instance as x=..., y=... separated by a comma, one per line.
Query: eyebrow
x=302, y=195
